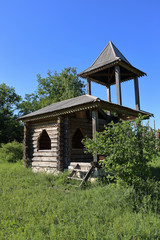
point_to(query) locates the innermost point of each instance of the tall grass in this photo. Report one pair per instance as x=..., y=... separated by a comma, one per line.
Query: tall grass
x=40, y=206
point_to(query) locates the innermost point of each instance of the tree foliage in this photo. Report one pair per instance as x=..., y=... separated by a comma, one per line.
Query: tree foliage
x=53, y=88
x=10, y=129
x=11, y=152
x=128, y=148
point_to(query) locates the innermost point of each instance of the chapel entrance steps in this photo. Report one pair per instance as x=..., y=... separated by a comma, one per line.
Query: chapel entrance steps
x=80, y=172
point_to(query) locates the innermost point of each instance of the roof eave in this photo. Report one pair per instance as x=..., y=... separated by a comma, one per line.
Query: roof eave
x=86, y=73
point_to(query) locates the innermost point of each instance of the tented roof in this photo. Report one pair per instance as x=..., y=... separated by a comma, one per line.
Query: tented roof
x=102, y=70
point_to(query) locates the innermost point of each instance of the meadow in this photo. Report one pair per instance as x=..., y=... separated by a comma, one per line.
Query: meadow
x=43, y=207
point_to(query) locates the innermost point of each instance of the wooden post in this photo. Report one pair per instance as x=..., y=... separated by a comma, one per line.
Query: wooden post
x=136, y=88
x=26, y=141
x=108, y=94
x=66, y=143
x=89, y=86
x=94, y=128
x=108, y=97
x=60, y=159
x=118, y=84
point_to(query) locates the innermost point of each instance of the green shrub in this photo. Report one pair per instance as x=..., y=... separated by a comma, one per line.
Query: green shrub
x=128, y=147
x=11, y=152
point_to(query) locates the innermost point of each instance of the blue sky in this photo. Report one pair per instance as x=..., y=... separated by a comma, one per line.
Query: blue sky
x=40, y=35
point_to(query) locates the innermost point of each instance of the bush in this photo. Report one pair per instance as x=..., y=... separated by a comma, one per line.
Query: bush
x=11, y=152
x=128, y=148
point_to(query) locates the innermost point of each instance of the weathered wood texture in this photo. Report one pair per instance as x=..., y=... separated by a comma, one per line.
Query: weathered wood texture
x=60, y=139
x=27, y=147
x=66, y=152
x=89, y=86
x=136, y=88
x=60, y=131
x=95, y=126
x=44, y=158
x=108, y=97
x=118, y=84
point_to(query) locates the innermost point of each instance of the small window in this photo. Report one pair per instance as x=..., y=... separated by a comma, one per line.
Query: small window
x=44, y=141
x=77, y=139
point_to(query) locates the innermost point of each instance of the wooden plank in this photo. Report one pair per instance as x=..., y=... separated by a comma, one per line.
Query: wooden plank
x=42, y=158
x=89, y=86
x=108, y=94
x=48, y=130
x=44, y=164
x=79, y=120
x=53, y=140
x=108, y=97
x=94, y=128
x=52, y=136
x=53, y=143
x=44, y=124
x=45, y=154
x=118, y=84
x=136, y=88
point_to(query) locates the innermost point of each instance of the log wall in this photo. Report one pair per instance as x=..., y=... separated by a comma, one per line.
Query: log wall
x=45, y=160
x=61, y=131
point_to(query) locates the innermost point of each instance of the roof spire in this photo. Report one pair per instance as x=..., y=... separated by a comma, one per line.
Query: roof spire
x=109, y=54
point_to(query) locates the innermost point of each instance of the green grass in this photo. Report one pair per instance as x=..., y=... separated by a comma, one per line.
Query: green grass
x=40, y=206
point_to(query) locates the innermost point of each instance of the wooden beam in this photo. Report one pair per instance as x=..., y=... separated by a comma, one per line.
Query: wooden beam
x=27, y=149
x=136, y=88
x=108, y=97
x=110, y=75
x=88, y=86
x=66, y=142
x=108, y=94
x=94, y=128
x=118, y=84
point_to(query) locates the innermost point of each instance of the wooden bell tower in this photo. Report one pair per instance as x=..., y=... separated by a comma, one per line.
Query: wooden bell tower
x=110, y=68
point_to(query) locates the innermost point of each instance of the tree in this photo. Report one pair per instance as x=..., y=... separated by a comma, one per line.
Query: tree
x=10, y=129
x=53, y=88
x=11, y=152
x=30, y=104
x=59, y=87
x=128, y=148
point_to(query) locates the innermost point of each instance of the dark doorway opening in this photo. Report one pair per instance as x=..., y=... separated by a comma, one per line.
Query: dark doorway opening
x=77, y=139
x=44, y=141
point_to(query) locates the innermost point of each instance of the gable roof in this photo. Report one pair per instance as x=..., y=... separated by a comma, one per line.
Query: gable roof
x=84, y=102
x=109, y=57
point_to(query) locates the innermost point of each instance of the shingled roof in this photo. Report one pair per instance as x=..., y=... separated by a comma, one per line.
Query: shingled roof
x=109, y=57
x=78, y=104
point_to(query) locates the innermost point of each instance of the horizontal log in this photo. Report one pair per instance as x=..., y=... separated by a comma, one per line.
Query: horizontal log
x=44, y=125
x=42, y=158
x=83, y=126
x=55, y=161
x=47, y=129
x=53, y=149
x=53, y=141
x=44, y=164
x=53, y=144
x=52, y=132
x=53, y=138
x=87, y=129
x=79, y=120
x=42, y=153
